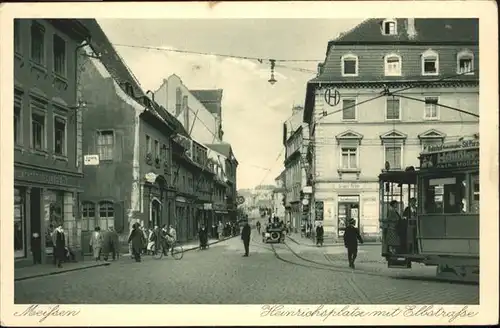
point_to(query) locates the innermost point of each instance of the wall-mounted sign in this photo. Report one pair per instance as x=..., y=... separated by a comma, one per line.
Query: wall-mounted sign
x=240, y=200
x=332, y=96
x=150, y=177
x=207, y=206
x=307, y=190
x=91, y=160
x=48, y=178
x=451, y=146
x=450, y=159
x=353, y=199
x=305, y=201
x=347, y=185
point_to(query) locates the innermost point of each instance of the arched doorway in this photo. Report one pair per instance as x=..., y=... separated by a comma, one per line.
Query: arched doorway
x=155, y=215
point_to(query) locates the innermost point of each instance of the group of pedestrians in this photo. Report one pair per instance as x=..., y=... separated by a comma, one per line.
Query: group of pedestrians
x=103, y=243
x=147, y=241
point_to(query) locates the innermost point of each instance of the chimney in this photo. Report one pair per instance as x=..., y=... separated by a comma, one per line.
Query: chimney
x=410, y=28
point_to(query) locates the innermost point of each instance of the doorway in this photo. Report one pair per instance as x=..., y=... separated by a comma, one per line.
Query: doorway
x=155, y=213
x=348, y=209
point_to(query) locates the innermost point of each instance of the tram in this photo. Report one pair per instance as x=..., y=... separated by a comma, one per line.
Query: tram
x=439, y=226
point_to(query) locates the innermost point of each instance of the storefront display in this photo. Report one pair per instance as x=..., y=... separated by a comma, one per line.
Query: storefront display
x=348, y=209
x=19, y=225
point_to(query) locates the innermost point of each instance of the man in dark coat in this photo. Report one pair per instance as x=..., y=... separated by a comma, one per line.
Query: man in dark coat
x=320, y=232
x=351, y=237
x=59, y=240
x=137, y=239
x=245, y=236
x=203, y=236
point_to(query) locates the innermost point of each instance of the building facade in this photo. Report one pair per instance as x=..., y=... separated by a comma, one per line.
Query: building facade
x=367, y=127
x=279, y=197
x=47, y=133
x=295, y=167
x=132, y=138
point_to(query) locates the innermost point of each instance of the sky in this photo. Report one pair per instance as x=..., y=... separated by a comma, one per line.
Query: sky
x=253, y=110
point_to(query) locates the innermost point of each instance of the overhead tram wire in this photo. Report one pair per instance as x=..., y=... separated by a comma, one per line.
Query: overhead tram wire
x=440, y=105
x=269, y=171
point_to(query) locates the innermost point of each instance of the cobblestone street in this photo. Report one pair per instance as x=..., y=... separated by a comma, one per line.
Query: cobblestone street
x=290, y=273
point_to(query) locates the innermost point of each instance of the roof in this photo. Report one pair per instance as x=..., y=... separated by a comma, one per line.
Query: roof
x=211, y=99
x=223, y=148
x=119, y=71
x=429, y=30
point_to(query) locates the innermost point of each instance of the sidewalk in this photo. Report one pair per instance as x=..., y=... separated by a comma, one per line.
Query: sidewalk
x=42, y=270
x=327, y=241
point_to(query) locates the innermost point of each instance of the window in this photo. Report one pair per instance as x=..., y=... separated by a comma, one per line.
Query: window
x=178, y=101
x=446, y=194
x=105, y=145
x=38, y=131
x=392, y=65
x=106, y=215
x=393, y=109
x=157, y=149
x=349, y=159
x=164, y=153
x=37, y=43
x=17, y=35
x=465, y=62
x=149, y=145
x=88, y=216
x=59, y=136
x=474, y=206
x=389, y=27
x=349, y=65
x=59, y=47
x=349, y=109
x=17, y=124
x=393, y=155
x=431, y=108
x=430, y=63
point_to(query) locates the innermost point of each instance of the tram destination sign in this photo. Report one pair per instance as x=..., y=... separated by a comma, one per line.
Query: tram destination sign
x=463, y=154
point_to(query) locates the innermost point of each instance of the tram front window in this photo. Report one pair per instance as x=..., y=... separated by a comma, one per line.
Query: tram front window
x=446, y=194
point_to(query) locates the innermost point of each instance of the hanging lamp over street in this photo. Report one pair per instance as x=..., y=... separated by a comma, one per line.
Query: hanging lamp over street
x=272, y=80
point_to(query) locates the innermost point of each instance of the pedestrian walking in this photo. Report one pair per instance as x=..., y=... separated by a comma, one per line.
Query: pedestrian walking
x=137, y=240
x=258, y=227
x=245, y=236
x=110, y=243
x=320, y=232
x=36, y=248
x=351, y=237
x=203, y=237
x=220, y=230
x=96, y=243
x=59, y=241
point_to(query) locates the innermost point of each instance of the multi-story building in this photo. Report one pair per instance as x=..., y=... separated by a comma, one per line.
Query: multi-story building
x=295, y=175
x=131, y=135
x=47, y=137
x=376, y=100
x=279, y=195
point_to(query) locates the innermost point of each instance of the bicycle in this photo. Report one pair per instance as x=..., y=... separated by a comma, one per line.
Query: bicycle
x=176, y=251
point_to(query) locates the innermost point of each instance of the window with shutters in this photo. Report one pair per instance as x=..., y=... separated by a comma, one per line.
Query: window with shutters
x=349, y=109
x=392, y=64
x=349, y=65
x=393, y=109
x=38, y=43
x=88, y=216
x=105, y=145
x=106, y=215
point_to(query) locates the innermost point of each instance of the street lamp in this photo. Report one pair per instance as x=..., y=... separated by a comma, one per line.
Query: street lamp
x=272, y=80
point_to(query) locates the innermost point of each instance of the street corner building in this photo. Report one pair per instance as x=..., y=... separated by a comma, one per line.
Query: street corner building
x=360, y=126
x=48, y=173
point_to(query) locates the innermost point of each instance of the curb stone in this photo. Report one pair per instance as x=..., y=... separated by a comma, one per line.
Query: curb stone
x=61, y=271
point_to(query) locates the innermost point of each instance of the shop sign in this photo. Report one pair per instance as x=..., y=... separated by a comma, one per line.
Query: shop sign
x=207, y=206
x=48, y=178
x=307, y=190
x=354, y=199
x=347, y=185
x=240, y=200
x=180, y=199
x=460, y=145
x=91, y=160
x=451, y=159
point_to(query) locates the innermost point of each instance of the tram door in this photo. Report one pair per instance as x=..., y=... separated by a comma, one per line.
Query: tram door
x=348, y=209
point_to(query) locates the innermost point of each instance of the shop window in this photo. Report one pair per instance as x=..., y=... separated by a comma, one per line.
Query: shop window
x=430, y=63
x=393, y=109
x=106, y=215
x=348, y=110
x=105, y=145
x=19, y=224
x=431, y=110
x=38, y=131
x=54, y=214
x=446, y=195
x=349, y=158
x=59, y=48
x=349, y=65
x=88, y=216
x=17, y=36
x=465, y=62
x=37, y=43
x=393, y=155
x=17, y=123
x=59, y=136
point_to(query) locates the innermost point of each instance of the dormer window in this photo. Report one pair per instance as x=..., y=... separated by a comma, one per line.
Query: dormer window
x=389, y=27
x=430, y=63
x=349, y=65
x=465, y=62
x=392, y=65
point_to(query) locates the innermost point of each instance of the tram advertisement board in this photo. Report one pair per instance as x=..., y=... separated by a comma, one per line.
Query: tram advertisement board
x=463, y=154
